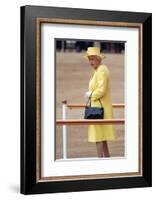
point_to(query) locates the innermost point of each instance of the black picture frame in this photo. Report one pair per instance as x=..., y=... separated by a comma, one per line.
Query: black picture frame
x=29, y=183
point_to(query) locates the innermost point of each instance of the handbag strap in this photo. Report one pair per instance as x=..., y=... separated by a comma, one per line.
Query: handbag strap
x=89, y=100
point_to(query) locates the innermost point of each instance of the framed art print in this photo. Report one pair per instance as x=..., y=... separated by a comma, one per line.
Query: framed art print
x=78, y=61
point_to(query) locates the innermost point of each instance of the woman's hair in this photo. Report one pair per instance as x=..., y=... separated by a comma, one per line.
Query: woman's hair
x=99, y=58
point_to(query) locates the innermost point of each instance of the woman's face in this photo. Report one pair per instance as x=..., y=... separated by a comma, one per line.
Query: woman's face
x=94, y=61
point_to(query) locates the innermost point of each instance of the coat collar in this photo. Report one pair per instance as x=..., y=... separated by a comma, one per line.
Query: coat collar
x=98, y=68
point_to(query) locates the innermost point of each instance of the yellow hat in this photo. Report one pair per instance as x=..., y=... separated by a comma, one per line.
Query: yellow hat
x=93, y=51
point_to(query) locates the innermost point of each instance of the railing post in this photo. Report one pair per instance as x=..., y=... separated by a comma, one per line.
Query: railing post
x=64, y=133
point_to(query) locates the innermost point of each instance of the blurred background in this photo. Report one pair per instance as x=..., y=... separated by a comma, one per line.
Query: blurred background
x=72, y=78
x=64, y=45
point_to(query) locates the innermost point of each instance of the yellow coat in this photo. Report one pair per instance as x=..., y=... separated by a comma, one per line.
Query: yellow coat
x=99, y=84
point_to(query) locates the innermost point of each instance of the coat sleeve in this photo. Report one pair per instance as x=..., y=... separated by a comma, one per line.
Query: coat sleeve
x=101, y=86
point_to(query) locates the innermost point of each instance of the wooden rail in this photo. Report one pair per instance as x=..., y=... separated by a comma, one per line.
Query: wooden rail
x=70, y=106
x=90, y=121
x=64, y=122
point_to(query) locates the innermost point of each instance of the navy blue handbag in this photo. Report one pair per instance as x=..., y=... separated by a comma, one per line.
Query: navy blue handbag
x=93, y=112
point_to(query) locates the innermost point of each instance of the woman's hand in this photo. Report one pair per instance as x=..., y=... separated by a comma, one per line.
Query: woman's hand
x=87, y=95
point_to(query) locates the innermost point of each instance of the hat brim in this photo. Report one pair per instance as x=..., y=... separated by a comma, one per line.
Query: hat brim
x=102, y=56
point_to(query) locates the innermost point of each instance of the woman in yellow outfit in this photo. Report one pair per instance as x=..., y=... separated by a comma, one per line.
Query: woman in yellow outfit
x=99, y=89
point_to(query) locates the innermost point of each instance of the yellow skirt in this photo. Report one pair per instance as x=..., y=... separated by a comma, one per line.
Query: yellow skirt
x=98, y=133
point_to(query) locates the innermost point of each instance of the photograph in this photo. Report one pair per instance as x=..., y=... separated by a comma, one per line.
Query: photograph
x=89, y=72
